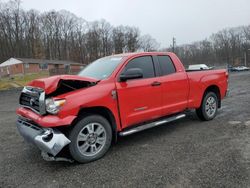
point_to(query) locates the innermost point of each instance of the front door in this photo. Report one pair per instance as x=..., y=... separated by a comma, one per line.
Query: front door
x=140, y=99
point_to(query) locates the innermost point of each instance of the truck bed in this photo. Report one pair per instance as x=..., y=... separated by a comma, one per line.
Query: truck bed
x=199, y=80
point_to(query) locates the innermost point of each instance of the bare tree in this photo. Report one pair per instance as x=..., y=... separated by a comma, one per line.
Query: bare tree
x=147, y=43
x=132, y=39
x=63, y=35
x=118, y=36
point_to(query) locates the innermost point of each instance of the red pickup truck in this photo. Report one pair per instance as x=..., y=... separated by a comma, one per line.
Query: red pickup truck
x=114, y=96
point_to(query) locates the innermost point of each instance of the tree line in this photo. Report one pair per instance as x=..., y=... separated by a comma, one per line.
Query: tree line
x=227, y=47
x=63, y=35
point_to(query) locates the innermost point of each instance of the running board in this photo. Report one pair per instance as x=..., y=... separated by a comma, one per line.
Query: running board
x=150, y=125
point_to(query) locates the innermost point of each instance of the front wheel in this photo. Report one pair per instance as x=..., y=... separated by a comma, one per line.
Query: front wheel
x=209, y=107
x=90, y=138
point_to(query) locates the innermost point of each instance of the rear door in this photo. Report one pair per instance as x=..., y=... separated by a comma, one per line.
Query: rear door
x=175, y=86
x=140, y=99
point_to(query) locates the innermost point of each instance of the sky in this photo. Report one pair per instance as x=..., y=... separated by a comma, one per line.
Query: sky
x=186, y=20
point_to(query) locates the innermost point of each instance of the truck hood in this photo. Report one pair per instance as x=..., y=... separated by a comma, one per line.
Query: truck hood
x=51, y=84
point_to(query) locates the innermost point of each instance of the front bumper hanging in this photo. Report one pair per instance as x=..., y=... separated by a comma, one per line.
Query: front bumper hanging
x=48, y=140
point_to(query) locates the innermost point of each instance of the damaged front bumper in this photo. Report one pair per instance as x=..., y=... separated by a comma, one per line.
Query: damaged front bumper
x=48, y=140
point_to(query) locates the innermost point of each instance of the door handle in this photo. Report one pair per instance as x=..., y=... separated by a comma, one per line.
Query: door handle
x=156, y=83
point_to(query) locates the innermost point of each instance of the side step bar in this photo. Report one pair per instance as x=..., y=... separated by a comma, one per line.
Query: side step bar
x=150, y=125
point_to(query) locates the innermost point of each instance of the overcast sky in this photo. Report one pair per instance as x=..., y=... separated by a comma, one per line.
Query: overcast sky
x=187, y=20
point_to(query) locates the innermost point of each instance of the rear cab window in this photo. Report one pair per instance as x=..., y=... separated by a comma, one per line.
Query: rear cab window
x=166, y=65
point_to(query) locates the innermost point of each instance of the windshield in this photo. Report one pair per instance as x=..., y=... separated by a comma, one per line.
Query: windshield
x=101, y=68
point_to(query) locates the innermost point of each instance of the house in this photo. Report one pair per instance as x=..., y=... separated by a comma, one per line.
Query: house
x=14, y=66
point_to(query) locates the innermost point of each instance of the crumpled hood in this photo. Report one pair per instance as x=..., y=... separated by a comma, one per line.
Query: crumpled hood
x=50, y=84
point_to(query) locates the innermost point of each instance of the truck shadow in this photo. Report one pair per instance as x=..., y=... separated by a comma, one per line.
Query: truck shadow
x=157, y=132
x=140, y=139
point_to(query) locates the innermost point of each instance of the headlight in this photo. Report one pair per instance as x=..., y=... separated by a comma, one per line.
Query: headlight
x=53, y=106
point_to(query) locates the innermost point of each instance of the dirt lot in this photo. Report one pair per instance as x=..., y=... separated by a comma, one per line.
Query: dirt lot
x=187, y=153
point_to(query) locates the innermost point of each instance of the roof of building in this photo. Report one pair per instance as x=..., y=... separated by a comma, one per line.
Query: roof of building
x=10, y=61
x=13, y=61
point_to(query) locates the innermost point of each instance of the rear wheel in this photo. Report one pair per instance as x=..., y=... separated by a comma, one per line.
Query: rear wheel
x=209, y=107
x=90, y=138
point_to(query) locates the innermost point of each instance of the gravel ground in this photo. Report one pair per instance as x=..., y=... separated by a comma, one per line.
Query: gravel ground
x=186, y=153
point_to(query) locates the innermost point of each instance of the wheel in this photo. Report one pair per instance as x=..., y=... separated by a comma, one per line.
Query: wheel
x=209, y=107
x=90, y=139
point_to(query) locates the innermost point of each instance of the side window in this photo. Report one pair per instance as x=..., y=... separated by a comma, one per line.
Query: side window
x=166, y=65
x=43, y=66
x=145, y=63
x=26, y=65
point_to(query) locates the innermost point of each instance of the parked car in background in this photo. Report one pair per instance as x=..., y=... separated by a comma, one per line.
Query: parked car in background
x=239, y=68
x=199, y=67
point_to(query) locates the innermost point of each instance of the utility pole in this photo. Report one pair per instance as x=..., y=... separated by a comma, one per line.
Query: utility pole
x=245, y=56
x=174, y=44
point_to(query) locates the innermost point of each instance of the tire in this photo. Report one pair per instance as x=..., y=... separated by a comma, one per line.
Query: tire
x=209, y=107
x=90, y=139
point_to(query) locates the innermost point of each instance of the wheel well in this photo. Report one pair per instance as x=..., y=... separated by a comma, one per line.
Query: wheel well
x=102, y=111
x=216, y=90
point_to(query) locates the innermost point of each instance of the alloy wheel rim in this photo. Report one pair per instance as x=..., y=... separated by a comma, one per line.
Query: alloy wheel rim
x=210, y=106
x=91, y=139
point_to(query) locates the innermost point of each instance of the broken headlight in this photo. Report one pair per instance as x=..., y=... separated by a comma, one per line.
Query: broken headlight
x=53, y=106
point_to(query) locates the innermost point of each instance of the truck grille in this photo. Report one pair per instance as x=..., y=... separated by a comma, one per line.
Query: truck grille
x=33, y=98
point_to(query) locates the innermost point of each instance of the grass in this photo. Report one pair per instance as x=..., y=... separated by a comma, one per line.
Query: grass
x=5, y=85
x=20, y=80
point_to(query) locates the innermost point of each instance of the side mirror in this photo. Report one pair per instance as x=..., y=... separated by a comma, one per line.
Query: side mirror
x=132, y=73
